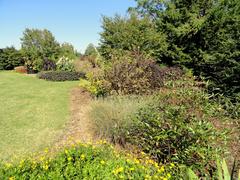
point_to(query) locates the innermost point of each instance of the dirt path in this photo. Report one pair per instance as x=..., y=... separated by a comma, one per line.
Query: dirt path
x=78, y=128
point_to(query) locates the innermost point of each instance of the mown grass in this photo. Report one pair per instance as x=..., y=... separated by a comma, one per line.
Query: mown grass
x=32, y=112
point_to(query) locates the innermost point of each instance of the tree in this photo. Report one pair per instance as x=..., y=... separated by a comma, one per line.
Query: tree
x=10, y=58
x=91, y=50
x=202, y=35
x=68, y=50
x=131, y=34
x=38, y=45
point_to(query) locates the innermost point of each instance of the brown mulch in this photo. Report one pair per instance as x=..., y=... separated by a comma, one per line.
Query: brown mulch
x=78, y=128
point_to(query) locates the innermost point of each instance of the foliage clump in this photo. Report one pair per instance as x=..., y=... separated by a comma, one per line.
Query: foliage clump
x=48, y=65
x=10, y=58
x=174, y=124
x=65, y=64
x=60, y=75
x=86, y=161
x=38, y=45
x=201, y=35
x=130, y=74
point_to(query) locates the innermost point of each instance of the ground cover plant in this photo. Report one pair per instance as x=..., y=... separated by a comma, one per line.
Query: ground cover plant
x=32, y=112
x=87, y=161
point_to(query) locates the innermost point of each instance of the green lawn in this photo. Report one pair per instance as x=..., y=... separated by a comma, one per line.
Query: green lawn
x=32, y=112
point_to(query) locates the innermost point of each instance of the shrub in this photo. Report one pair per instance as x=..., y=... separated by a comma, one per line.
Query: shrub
x=137, y=74
x=94, y=83
x=60, y=76
x=134, y=77
x=83, y=65
x=65, y=64
x=21, y=69
x=132, y=73
x=176, y=126
x=48, y=65
x=85, y=162
x=10, y=58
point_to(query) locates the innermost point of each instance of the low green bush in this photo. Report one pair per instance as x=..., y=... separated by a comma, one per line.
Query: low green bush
x=86, y=162
x=60, y=75
x=94, y=83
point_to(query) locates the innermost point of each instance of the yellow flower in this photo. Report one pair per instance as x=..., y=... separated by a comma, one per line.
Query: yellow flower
x=89, y=143
x=73, y=145
x=45, y=167
x=168, y=175
x=102, y=162
x=150, y=161
x=132, y=169
x=8, y=165
x=11, y=178
x=100, y=142
x=121, y=177
x=161, y=169
x=128, y=160
x=172, y=165
x=66, y=151
x=136, y=161
x=46, y=150
x=82, y=157
x=42, y=158
x=69, y=158
x=147, y=177
x=118, y=170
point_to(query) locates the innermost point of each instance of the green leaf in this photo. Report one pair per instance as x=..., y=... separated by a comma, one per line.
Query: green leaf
x=191, y=175
x=219, y=170
x=225, y=171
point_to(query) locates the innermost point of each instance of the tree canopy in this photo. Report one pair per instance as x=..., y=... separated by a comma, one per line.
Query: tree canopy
x=203, y=35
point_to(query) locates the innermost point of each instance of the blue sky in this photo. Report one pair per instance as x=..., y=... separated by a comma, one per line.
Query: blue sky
x=75, y=21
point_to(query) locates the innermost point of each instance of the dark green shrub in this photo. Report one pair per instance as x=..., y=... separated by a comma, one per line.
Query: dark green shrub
x=10, y=58
x=60, y=75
